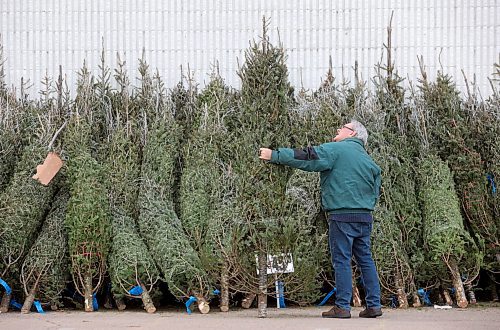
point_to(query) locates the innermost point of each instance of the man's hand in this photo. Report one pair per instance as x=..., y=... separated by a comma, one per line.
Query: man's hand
x=265, y=153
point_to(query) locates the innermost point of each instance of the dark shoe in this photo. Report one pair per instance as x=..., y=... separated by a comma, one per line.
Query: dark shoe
x=337, y=313
x=371, y=312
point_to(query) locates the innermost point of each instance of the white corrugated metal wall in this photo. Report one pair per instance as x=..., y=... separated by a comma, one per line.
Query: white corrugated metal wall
x=40, y=35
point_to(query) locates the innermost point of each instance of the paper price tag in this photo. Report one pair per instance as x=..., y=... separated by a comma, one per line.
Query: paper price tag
x=48, y=170
x=278, y=264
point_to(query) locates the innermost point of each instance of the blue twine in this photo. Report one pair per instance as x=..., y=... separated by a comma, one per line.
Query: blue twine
x=136, y=291
x=8, y=290
x=491, y=180
x=425, y=296
x=334, y=290
x=190, y=301
x=38, y=307
x=452, y=290
x=394, y=302
x=95, y=305
x=216, y=292
x=281, y=292
x=15, y=304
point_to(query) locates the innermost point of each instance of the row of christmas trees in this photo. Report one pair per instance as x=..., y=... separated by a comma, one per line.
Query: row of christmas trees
x=166, y=185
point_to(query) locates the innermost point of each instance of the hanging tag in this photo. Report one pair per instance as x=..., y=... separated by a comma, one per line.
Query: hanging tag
x=46, y=172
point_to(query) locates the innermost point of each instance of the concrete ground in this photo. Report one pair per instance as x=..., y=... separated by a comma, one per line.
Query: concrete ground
x=480, y=317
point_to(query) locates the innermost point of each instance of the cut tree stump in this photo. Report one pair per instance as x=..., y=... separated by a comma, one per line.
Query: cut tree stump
x=493, y=288
x=416, y=300
x=28, y=302
x=458, y=285
x=147, y=301
x=4, y=306
x=262, y=298
x=203, y=305
x=248, y=300
x=120, y=304
x=107, y=301
x=401, y=294
x=88, y=298
x=356, y=297
x=447, y=297
x=224, y=291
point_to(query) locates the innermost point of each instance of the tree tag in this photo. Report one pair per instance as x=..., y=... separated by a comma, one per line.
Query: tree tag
x=46, y=171
x=278, y=264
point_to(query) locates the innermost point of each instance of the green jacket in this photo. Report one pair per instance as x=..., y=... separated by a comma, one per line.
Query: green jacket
x=350, y=179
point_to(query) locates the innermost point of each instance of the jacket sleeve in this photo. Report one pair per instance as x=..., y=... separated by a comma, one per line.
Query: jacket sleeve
x=378, y=184
x=310, y=159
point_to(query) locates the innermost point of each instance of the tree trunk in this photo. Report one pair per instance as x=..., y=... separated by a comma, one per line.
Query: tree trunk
x=224, y=291
x=458, y=285
x=447, y=297
x=120, y=304
x=87, y=290
x=471, y=294
x=203, y=305
x=402, y=299
x=356, y=298
x=4, y=306
x=416, y=300
x=262, y=299
x=248, y=300
x=493, y=288
x=28, y=302
x=146, y=300
x=107, y=301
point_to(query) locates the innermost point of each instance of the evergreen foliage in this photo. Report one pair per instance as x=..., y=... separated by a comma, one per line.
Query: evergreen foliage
x=168, y=185
x=158, y=223
x=482, y=119
x=264, y=122
x=87, y=218
x=447, y=139
x=25, y=201
x=130, y=263
x=393, y=149
x=44, y=271
x=444, y=235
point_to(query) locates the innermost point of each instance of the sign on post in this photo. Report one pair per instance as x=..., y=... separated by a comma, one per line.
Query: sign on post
x=278, y=264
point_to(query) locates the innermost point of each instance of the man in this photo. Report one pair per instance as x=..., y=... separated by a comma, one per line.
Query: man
x=350, y=185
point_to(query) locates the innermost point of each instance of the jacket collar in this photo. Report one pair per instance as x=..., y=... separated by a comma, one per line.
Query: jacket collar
x=355, y=140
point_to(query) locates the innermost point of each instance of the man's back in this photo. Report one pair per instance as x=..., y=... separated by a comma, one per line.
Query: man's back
x=353, y=182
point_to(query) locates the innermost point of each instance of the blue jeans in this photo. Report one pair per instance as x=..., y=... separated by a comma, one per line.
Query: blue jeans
x=347, y=238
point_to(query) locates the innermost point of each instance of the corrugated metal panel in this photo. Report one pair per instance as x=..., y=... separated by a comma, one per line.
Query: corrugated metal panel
x=451, y=35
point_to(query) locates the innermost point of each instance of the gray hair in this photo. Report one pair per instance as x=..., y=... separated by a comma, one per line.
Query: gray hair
x=360, y=130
